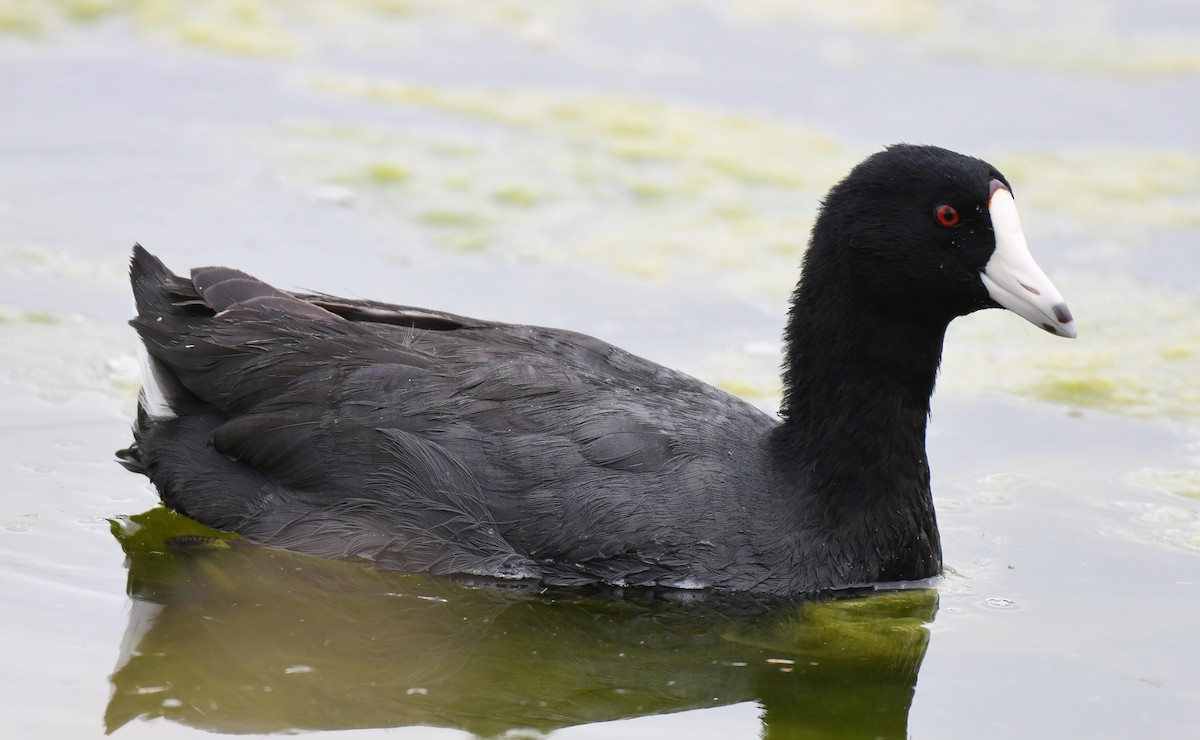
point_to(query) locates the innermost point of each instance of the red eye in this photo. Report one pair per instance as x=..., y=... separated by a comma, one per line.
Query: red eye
x=946, y=216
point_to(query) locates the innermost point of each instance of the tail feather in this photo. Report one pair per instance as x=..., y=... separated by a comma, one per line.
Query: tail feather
x=149, y=277
x=157, y=292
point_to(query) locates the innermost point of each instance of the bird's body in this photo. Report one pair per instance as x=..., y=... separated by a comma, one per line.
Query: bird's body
x=424, y=441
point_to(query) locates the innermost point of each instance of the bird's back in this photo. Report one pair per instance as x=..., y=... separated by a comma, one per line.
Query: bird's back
x=431, y=442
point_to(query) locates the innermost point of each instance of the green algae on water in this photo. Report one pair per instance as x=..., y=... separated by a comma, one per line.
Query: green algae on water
x=1184, y=483
x=67, y=359
x=1116, y=365
x=388, y=173
x=1117, y=191
x=654, y=190
x=1079, y=37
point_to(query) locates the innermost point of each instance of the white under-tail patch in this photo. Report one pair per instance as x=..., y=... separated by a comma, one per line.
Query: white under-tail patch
x=152, y=398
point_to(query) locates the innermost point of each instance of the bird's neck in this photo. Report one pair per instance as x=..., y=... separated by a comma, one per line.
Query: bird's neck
x=850, y=452
x=844, y=370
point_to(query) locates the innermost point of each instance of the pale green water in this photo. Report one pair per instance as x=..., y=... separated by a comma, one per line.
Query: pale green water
x=647, y=174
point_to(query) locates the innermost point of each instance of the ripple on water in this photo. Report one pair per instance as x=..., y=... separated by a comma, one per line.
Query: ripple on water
x=999, y=602
x=66, y=357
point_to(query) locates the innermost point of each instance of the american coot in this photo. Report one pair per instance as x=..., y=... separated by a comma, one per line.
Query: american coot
x=424, y=441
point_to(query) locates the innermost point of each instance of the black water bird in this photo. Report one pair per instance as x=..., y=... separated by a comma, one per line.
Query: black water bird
x=423, y=441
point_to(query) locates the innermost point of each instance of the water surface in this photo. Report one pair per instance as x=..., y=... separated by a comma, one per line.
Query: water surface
x=646, y=173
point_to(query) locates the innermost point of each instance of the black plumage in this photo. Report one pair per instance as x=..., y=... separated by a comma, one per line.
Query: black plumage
x=424, y=441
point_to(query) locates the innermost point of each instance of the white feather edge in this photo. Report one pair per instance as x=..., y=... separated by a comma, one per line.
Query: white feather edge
x=152, y=398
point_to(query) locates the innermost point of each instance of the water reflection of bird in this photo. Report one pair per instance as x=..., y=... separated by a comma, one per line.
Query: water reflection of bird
x=241, y=639
x=424, y=441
